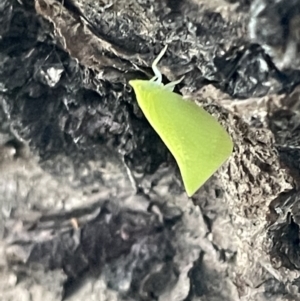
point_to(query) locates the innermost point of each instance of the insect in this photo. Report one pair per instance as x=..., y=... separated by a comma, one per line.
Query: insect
x=199, y=144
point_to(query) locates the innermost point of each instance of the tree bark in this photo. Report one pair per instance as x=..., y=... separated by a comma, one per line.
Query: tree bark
x=93, y=205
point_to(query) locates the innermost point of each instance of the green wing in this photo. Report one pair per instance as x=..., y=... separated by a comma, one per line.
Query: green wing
x=198, y=142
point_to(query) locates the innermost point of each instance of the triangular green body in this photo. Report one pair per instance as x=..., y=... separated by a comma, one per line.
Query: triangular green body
x=198, y=142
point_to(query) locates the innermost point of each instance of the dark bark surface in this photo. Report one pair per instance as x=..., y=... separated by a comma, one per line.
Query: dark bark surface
x=92, y=203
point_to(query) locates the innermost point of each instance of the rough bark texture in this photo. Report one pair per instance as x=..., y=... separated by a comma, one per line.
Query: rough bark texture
x=92, y=203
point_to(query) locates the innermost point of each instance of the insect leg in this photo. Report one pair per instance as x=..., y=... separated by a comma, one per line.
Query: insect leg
x=153, y=79
x=170, y=86
x=158, y=76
